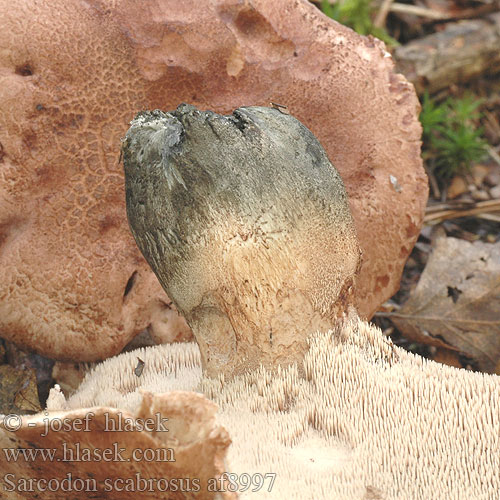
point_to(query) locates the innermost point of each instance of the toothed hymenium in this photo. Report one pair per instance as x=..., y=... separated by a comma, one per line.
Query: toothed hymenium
x=247, y=225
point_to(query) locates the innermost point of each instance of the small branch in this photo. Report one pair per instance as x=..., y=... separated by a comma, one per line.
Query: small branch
x=436, y=15
x=382, y=13
x=433, y=182
x=451, y=205
x=482, y=207
x=414, y=10
x=494, y=155
x=490, y=217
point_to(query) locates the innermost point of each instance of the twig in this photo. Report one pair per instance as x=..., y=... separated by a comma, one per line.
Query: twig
x=494, y=155
x=491, y=217
x=436, y=15
x=475, y=12
x=481, y=207
x=492, y=123
x=433, y=182
x=382, y=13
x=451, y=205
x=404, y=8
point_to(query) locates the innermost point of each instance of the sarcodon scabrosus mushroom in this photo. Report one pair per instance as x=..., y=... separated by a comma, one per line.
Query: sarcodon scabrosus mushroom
x=73, y=284
x=247, y=226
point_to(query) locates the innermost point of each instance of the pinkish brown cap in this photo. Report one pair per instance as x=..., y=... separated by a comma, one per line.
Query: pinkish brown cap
x=73, y=76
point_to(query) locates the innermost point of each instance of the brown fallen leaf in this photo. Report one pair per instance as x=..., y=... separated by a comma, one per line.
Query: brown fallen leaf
x=457, y=187
x=456, y=303
x=479, y=172
x=447, y=357
x=18, y=391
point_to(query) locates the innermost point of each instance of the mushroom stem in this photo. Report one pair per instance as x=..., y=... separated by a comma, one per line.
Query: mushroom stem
x=247, y=225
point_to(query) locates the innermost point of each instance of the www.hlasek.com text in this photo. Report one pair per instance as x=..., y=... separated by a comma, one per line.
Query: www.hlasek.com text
x=79, y=453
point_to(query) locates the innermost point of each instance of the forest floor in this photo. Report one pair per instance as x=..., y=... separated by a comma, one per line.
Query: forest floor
x=448, y=304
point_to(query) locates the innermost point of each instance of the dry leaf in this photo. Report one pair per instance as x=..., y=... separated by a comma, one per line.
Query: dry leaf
x=18, y=391
x=479, y=172
x=457, y=187
x=456, y=303
x=447, y=357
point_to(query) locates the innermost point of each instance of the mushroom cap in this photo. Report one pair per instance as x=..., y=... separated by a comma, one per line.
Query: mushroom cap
x=75, y=73
x=72, y=282
x=247, y=225
x=340, y=85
